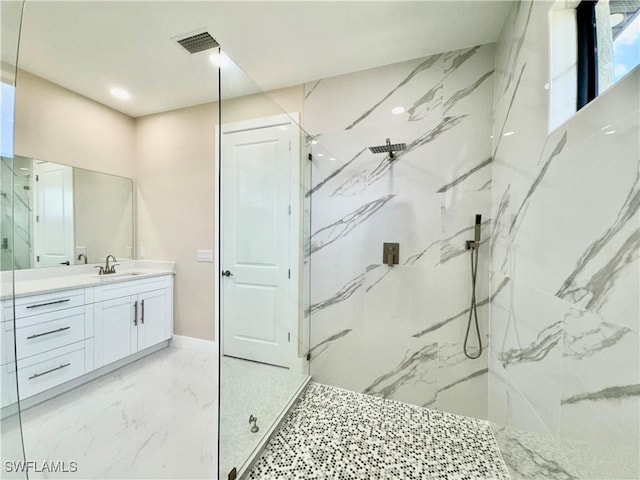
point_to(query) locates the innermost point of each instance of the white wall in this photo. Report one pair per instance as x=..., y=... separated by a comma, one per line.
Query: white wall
x=175, y=206
x=177, y=195
x=60, y=126
x=565, y=312
x=170, y=156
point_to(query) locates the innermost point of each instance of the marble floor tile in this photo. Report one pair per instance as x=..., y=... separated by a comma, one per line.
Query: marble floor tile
x=154, y=418
x=10, y=447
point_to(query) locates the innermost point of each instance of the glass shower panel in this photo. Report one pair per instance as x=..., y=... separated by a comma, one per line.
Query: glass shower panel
x=11, y=449
x=264, y=284
x=120, y=395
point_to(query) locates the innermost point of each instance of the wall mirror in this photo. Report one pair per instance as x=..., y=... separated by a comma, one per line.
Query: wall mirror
x=64, y=215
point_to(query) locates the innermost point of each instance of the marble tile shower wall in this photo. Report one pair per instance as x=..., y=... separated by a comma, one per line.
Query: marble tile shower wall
x=397, y=332
x=564, y=347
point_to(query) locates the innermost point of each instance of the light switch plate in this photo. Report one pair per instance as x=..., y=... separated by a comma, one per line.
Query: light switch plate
x=81, y=250
x=205, y=255
x=141, y=252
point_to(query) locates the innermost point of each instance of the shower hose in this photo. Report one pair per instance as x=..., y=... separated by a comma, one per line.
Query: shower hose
x=473, y=310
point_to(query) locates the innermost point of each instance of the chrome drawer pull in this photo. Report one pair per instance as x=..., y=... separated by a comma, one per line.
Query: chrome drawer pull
x=36, y=375
x=47, y=333
x=49, y=303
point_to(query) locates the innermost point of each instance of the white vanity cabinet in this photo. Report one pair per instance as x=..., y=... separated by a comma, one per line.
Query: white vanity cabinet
x=115, y=330
x=53, y=341
x=66, y=335
x=132, y=316
x=154, y=323
x=8, y=366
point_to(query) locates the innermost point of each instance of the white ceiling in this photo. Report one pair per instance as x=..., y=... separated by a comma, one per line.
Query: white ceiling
x=89, y=46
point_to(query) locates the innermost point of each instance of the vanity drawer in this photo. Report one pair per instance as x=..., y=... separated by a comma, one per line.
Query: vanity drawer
x=47, y=370
x=131, y=287
x=50, y=302
x=53, y=330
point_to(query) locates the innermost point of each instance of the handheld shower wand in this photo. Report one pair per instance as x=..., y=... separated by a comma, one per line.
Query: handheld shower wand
x=473, y=246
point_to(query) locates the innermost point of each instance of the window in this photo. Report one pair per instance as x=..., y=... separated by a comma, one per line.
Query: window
x=594, y=44
x=608, y=35
x=587, y=57
x=625, y=32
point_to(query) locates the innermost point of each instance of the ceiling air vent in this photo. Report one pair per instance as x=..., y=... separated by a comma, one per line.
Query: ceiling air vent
x=198, y=42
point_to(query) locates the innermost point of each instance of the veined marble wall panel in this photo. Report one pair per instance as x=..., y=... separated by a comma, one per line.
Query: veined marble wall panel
x=526, y=337
x=462, y=383
x=397, y=332
x=565, y=265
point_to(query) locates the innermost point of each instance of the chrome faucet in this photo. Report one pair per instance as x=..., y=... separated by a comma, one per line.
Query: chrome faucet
x=110, y=269
x=81, y=256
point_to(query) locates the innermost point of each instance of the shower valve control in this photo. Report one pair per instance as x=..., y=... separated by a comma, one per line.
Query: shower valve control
x=475, y=243
x=391, y=254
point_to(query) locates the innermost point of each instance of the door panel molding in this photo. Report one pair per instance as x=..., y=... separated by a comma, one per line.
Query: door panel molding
x=288, y=311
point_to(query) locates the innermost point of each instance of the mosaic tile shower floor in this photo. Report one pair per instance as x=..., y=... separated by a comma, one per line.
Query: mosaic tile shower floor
x=337, y=434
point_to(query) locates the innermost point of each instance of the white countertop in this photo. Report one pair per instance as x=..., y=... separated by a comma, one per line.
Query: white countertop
x=57, y=279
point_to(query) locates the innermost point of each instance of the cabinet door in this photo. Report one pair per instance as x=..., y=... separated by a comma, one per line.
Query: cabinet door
x=115, y=334
x=153, y=317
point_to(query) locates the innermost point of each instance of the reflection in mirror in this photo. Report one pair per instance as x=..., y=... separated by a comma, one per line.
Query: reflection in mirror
x=65, y=216
x=16, y=241
x=103, y=214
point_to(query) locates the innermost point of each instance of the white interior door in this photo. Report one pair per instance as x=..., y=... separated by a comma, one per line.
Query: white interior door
x=53, y=214
x=255, y=232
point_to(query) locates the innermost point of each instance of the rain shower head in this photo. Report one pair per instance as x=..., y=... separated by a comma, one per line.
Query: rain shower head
x=389, y=148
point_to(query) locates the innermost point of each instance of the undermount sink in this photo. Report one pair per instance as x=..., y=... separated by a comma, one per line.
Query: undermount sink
x=117, y=275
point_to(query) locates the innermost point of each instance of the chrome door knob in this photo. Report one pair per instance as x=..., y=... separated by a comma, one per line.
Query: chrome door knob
x=227, y=273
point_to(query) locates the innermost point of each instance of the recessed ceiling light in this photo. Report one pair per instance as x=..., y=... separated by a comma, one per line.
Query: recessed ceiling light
x=397, y=110
x=616, y=19
x=333, y=159
x=321, y=155
x=120, y=93
x=313, y=142
x=508, y=134
x=610, y=132
x=24, y=169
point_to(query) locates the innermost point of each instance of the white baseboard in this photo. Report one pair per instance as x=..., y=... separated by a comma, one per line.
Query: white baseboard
x=194, y=344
